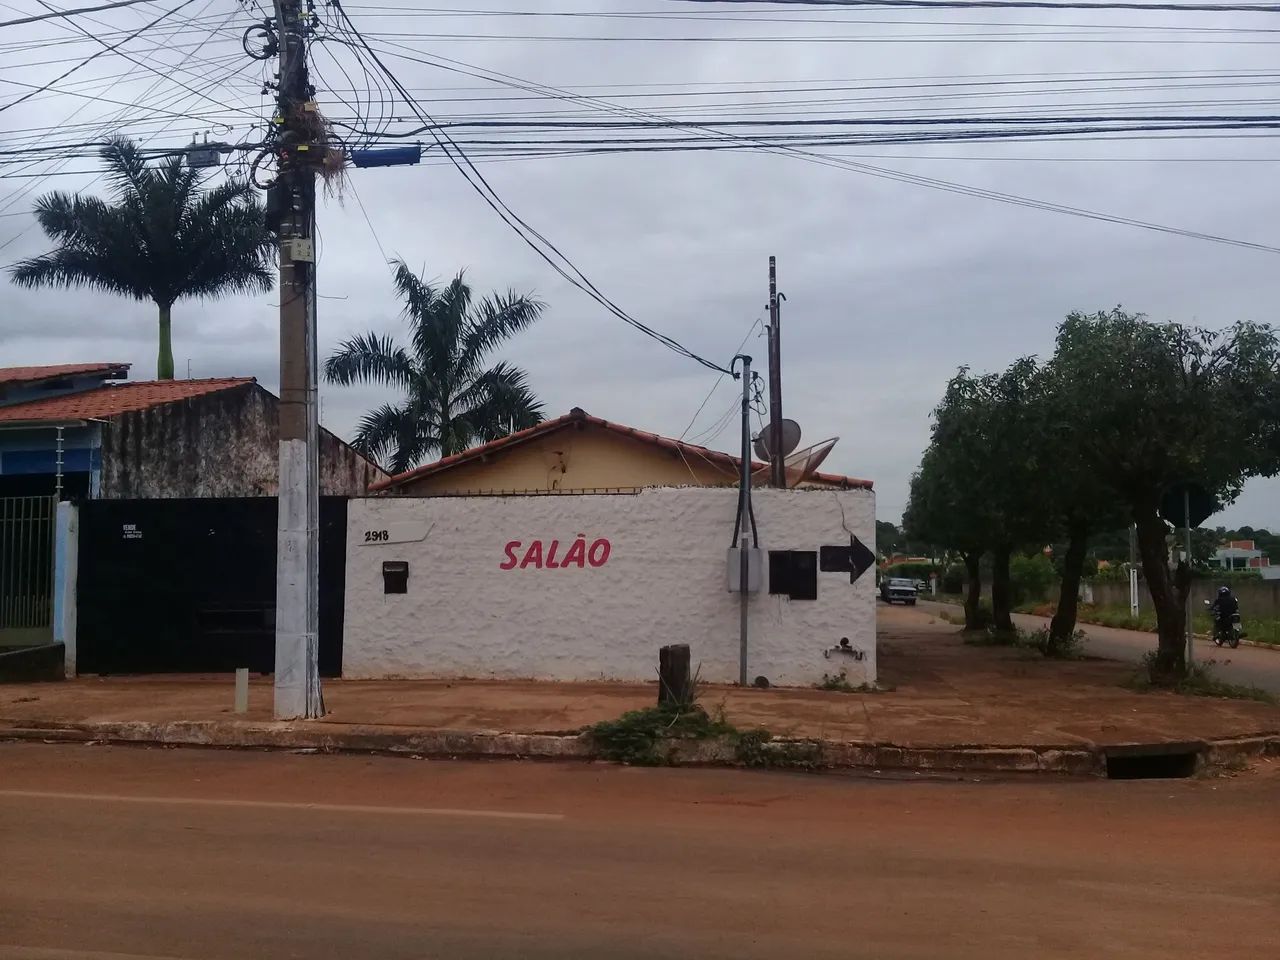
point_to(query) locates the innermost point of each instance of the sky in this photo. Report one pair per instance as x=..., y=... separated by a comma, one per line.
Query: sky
x=890, y=286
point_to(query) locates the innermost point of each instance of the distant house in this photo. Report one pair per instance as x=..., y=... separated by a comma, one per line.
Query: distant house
x=581, y=453
x=78, y=430
x=1244, y=555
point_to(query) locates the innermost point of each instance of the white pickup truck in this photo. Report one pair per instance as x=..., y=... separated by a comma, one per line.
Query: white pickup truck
x=898, y=590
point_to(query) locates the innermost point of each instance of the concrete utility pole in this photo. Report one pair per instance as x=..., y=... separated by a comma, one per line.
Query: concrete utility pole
x=744, y=518
x=297, y=675
x=777, y=470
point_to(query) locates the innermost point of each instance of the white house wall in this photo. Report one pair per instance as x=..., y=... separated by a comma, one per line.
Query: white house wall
x=475, y=608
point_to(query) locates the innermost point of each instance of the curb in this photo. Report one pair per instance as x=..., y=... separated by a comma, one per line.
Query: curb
x=1079, y=760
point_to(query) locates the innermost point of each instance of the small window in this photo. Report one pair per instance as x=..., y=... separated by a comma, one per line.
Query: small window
x=794, y=573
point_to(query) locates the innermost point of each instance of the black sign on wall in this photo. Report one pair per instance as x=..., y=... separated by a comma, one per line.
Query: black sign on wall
x=189, y=586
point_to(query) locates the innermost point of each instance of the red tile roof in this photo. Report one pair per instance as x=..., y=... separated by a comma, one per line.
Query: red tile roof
x=9, y=376
x=110, y=400
x=578, y=415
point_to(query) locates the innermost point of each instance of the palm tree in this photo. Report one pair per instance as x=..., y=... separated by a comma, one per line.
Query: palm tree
x=452, y=401
x=162, y=240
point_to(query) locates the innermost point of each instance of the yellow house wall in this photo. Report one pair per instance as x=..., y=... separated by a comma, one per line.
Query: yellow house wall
x=589, y=458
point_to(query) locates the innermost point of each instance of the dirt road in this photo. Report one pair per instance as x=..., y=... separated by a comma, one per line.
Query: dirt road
x=1255, y=666
x=127, y=854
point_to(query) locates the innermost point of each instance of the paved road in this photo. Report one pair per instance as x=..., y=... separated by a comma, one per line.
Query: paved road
x=112, y=853
x=1250, y=665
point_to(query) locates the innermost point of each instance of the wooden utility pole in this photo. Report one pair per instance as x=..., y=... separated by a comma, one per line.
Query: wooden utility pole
x=297, y=676
x=777, y=470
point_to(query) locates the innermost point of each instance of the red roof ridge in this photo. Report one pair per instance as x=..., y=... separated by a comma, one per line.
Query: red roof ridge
x=578, y=415
x=50, y=371
x=110, y=400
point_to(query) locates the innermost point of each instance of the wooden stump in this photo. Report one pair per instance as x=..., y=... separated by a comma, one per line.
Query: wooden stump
x=675, y=682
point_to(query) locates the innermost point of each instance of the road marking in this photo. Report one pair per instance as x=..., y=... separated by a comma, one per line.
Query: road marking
x=280, y=805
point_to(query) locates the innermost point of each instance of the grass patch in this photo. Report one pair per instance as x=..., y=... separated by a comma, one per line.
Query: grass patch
x=646, y=737
x=757, y=749
x=651, y=737
x=1039, y=641
x=1260, y=630
x=839, y=683
x=1199, y=681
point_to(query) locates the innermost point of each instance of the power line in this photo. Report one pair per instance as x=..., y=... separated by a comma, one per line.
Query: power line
x=720, y=378
x=835, y=161
x=559, y=262
x=96, y=55
x=60, y=14
x=1014, y=5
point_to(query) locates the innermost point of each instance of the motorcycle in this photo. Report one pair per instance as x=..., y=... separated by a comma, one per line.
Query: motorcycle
x=1227, y=633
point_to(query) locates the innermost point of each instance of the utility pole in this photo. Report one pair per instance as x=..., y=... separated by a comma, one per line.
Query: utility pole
x=297, y=675
x=744, y=518
x=1186, y=519
x=1133, y=570
x=777, y=471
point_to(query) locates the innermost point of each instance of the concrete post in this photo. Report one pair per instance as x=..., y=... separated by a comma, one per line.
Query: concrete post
x=66, y=565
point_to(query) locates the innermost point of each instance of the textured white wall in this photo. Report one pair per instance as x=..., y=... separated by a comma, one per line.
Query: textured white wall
x=664, y=582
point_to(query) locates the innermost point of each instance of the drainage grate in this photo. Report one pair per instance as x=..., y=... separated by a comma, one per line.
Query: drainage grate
x=1165, y=762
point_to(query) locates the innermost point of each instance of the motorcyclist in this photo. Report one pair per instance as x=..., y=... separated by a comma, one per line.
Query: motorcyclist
x=1224, y=607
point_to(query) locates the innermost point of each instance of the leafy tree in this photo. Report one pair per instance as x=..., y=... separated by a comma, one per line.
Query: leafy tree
x=944, y=510
x=985, y=443
x=888, y=538
x=452, y=399
x=1078, y=502
x=1169, y=405
x=161, y=240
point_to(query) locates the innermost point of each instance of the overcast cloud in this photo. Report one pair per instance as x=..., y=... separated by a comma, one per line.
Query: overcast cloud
x=890, y=287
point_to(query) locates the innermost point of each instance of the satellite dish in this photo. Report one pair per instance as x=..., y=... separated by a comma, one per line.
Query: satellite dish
x=790, y=439
x=803, y=464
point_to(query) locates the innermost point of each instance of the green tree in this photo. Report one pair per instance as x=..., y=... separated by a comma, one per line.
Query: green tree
x=986, y=433
x=161, y=240
x=888, y=538
x=942, y=510
x=1078, y=502
x=452, y=399
x=1168, y=405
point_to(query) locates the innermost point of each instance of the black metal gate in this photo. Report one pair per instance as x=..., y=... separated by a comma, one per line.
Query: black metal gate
x=26, y=568
x=189, y=586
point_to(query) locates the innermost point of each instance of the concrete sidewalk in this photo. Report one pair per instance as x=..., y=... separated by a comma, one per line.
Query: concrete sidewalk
x=945, y=696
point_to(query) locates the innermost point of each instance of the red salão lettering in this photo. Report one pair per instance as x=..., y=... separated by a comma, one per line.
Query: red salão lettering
x=599, y=553
x=551, y=555
x=510, y=550
x=577, y=553
x=533, y=556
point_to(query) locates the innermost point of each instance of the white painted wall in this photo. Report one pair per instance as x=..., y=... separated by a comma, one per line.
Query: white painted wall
x=664, y=582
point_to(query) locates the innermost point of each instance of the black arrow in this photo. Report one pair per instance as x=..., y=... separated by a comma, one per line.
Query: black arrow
x=861, y=559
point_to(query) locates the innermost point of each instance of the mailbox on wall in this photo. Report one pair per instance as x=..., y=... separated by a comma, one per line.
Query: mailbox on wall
x=395, y=576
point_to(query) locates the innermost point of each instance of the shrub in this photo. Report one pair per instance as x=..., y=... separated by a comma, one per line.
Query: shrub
x=1198, y=681
x=635, y=737
x=1031, y=578
x=953, y=578
x=1062, y=648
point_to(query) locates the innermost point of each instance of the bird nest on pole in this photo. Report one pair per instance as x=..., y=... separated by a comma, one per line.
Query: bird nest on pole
x=322, y=147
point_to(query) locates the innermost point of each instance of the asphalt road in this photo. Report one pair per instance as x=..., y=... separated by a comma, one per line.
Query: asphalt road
x=1257, y=666
x=113, y=853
